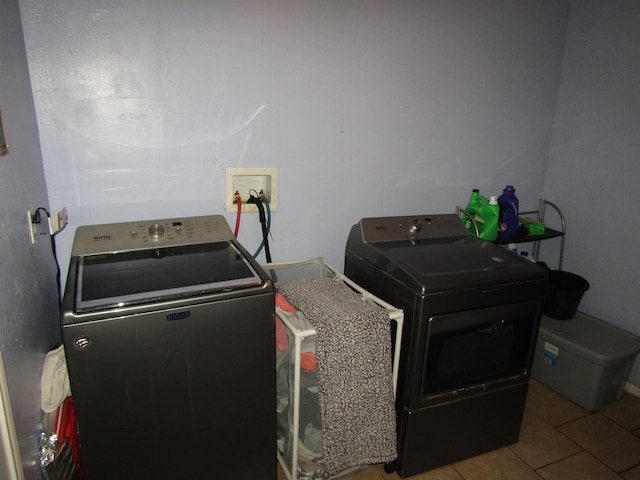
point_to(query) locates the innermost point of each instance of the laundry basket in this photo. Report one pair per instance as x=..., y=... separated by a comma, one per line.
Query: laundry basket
x=299, y=438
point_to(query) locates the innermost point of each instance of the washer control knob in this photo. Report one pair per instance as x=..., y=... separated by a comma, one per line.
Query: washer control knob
x=156, y=230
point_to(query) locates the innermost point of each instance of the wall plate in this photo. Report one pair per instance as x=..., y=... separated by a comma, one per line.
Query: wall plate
x=251, y=180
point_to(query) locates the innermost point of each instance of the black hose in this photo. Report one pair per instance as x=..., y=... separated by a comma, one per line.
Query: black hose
x=263, y=223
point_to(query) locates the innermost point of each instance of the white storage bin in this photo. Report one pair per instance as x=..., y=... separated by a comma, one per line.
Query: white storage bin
x=297, y=375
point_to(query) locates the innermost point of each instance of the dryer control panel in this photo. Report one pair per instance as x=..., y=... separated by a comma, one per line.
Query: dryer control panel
x=138, y=235
x=415, y=227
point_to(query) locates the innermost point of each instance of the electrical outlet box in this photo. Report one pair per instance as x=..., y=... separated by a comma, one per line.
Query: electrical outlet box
x=251, y=180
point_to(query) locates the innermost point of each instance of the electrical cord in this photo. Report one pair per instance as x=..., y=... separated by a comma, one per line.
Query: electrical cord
x=239, y=214
x=35, y=218
x=263, y=222
x=263, y=197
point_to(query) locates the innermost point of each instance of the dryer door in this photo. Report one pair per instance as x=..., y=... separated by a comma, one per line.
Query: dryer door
x=467, y=352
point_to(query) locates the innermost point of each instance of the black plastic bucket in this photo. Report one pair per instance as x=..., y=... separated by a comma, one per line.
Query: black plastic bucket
x=564, y=293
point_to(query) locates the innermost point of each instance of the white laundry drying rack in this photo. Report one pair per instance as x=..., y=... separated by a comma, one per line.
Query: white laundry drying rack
x=319, y=268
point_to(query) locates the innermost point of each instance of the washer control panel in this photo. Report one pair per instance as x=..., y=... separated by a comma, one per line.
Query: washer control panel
x=168, y=232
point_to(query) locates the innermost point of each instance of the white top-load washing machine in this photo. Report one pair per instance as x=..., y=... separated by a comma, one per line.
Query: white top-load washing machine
x=169, y=333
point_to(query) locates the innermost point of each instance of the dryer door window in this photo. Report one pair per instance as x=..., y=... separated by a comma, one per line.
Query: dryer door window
x=478, y=349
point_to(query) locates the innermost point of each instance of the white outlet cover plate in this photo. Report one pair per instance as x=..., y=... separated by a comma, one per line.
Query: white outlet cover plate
x=255, y=178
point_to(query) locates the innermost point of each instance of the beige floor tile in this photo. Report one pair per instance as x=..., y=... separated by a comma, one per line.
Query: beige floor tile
x=633, y=474
x=540, y=444
x=578, y=467
x=552, y=407
x=369, y=473
x=442, y=473
x=614, y=446
x=500, y=464
x=625, y=412
x=386, y=476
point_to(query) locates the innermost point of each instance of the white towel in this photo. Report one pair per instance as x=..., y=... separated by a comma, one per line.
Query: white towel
x=54, y=383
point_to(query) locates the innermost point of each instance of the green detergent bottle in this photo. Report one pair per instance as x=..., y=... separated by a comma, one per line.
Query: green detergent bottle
x=474, y=209
x=489, y=221
x=485, y=213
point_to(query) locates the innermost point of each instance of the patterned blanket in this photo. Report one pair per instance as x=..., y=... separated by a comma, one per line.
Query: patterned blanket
x=354, y=363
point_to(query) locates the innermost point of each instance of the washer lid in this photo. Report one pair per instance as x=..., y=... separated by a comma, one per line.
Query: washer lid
x=142, y=276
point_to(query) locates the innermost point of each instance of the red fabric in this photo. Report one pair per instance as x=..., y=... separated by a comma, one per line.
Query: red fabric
x=308, y=362
x=67, y=431
x=308, y=359
x=284, y=304
x=282, y=343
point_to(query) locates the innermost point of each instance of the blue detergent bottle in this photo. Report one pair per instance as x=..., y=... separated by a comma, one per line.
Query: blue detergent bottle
x=509, y=223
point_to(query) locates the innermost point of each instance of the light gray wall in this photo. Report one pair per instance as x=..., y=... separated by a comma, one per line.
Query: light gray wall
x=367, y=107
x=29, y=318
x=594, y=160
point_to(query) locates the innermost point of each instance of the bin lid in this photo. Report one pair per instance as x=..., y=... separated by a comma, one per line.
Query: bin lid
x=591, y=337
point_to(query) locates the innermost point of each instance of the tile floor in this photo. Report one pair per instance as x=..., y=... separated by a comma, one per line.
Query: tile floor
x=559, y=441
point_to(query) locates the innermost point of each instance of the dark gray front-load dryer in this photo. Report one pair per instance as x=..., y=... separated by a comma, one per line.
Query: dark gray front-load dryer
x=168, y=328
x=472, y=311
